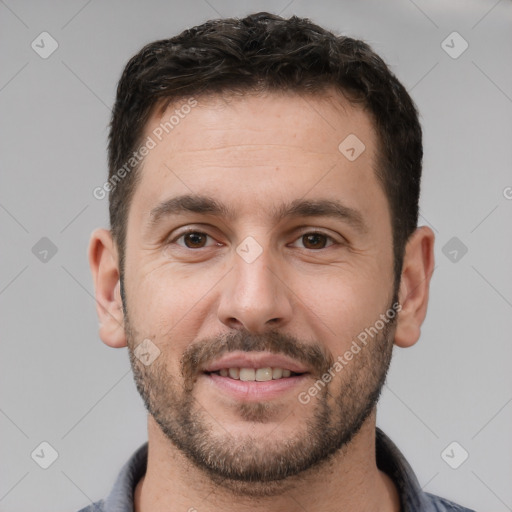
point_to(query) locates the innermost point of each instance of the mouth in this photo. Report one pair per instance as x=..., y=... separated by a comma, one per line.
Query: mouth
x=255, y=376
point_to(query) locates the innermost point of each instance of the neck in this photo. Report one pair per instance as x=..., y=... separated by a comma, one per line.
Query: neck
x=349, y=481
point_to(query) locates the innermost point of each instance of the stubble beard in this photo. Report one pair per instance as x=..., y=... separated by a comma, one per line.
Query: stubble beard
x=261, y=466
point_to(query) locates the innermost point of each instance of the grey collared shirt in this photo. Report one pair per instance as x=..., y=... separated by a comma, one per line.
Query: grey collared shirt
x=389, y=459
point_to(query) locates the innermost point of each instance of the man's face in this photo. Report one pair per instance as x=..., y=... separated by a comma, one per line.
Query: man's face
x=268, y=280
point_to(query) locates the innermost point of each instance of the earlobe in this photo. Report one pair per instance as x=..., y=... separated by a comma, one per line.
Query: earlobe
x=103, y=261
x=418, y=266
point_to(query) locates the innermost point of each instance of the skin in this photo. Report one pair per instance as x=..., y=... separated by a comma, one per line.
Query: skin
x=254, y=154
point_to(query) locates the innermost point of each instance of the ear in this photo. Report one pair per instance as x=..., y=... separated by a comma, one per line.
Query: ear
x=417, y=270
x=103, y=260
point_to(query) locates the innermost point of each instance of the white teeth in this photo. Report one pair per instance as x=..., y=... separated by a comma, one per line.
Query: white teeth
x=263, y=374
x=277, y=373
x=247, y=374
x=255, y=374
x=234, y=373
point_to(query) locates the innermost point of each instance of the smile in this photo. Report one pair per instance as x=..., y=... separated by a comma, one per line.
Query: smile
x=255, y=374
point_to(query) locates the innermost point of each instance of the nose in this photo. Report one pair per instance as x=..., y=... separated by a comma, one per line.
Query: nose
x=256, y=295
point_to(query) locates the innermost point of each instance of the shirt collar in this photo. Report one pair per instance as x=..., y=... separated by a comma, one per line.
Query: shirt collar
x=391, y=461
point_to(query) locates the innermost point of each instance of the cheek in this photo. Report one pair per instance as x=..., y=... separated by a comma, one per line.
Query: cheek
x=347, y=303
x=159, y=292
x=169, y=308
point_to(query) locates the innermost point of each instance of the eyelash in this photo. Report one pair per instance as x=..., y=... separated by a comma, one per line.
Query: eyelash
x=195, y=231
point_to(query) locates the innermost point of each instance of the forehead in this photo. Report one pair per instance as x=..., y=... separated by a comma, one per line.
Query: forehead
x=311, y=122
x=258, y=146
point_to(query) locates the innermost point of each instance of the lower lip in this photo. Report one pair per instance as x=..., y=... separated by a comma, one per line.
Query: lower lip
x=252, y=391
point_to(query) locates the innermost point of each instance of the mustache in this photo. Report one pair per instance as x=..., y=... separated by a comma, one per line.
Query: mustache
x=201, y=353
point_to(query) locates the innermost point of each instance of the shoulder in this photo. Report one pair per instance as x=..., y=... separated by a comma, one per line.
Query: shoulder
x=444, y=505
x=98, y=506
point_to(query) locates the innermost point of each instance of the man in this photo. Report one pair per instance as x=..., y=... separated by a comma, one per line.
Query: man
x=263, y=258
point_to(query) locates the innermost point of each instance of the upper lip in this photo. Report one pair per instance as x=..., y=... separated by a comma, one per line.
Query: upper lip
x=255, y=360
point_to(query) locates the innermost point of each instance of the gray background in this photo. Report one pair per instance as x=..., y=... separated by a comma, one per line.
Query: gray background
x=60, y=384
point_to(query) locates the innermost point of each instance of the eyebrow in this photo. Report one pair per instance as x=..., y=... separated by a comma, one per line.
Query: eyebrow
x=192, y=203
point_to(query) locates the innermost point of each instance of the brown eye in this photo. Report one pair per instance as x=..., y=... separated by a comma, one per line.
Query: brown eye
x=314, y=240
x=193, y=240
